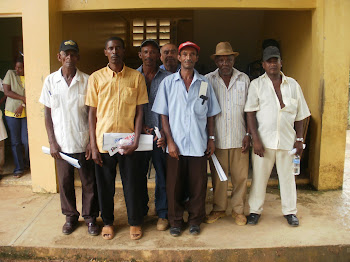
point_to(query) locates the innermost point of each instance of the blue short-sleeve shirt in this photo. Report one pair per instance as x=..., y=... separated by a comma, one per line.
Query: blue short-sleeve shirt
x=186, y=111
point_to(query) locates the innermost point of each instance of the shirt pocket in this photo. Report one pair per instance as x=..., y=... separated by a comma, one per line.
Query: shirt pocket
x=200, y=108
x=290, y=110
x=239, y=94
x=55, y=101
x=128, y=102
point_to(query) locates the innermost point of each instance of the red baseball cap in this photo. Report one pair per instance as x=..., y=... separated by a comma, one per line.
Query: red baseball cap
x=190, y=44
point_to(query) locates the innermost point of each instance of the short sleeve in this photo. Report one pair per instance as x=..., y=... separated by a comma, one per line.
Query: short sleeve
x=142, y=97
x=7, y=79
x=92, y=92
x=303, y=110
x=160, y=105
x=213, y=105
x=46, y=93
x=252, y=103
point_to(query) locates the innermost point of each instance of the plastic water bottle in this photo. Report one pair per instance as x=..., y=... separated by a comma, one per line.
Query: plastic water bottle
x=296, y=165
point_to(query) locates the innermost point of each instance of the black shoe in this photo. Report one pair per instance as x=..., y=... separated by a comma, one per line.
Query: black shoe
x=175, y=231
x=253, y=219
x=194, y=230
x=93, y=229
x=69, y=227
x=292, y=220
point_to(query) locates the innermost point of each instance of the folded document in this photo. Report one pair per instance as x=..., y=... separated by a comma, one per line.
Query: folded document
x=218, y=168
x=74, y=162
x=113, y=141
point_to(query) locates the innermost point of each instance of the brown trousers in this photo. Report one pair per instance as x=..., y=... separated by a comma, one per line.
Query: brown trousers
x=65, y=173
x=188, y=175
x=236, y=163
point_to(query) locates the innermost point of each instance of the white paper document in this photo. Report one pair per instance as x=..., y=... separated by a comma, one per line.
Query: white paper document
x=111, y=142
x=74, y=162
x=203, y=89
x=218, y=168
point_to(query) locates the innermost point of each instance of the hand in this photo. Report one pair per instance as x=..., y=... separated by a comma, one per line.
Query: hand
x=147, y=130
x=18, y=111
x=210, y=148
x=245, y=144
x=55, y=150
x=129, y=149
x=88, y=153
x=299, y=147
x=96, y=156
x=24, y=100
x=161, y=142
x=258, y=148
x=173, y=150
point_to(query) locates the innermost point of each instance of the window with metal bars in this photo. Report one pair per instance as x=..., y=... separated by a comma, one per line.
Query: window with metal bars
x=156, y=29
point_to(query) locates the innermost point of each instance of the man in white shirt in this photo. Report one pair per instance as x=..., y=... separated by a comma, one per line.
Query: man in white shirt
x=66, y=121
x=232, y=139
x=275, y=107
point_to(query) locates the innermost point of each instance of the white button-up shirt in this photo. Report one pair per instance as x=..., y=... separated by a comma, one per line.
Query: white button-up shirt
x=187, y=112
x=230, y=127
x=68, y=111
x=276, y=125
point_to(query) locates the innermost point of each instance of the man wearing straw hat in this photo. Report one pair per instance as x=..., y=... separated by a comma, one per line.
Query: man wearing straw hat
x=232, y=138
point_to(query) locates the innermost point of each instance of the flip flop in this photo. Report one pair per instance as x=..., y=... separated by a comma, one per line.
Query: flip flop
x=135, y=232
x=108, y=232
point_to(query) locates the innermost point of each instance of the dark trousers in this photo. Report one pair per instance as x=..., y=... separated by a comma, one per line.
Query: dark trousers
x=187, y=173
x=159, y=162
x=65, y=174
x=134, y=185
x=19, y=139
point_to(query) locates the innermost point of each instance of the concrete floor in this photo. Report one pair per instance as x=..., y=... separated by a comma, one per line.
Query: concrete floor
x=30, y=228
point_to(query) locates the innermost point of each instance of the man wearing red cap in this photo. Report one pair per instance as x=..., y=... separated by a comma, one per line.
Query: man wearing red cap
x=187, y=104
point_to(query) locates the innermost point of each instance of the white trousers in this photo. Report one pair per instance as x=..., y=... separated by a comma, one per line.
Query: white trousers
x=262, y=167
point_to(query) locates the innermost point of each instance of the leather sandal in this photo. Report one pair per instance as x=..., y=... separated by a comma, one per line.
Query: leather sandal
x=108, y=232
x=135, y=232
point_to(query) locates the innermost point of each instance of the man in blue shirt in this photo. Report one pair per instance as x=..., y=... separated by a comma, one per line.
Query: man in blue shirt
x=187, y=105
x=149, y=54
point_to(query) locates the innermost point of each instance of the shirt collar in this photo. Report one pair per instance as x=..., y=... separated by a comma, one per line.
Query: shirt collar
x=140, y=69
x=196, y=76
x=58, y=76
x=112, y=73
x=284, y=78
x=235, y=73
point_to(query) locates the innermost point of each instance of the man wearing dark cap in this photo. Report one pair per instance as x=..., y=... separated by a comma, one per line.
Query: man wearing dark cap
x=187, y=104
x=116, y=95
x=66, y=121
x=232, y=138
x=275, y=110
x=149, y=54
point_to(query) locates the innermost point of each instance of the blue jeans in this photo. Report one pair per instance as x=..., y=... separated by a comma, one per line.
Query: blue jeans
x=19, y=136
x=159, y=163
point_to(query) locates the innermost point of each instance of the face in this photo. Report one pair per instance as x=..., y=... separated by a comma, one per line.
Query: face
x=272, y=66
x=225, y=64
x=68, y=58
x=19, y=67
x=149, y=55
x=188, y=57
x=115, y=52
x=168, y=55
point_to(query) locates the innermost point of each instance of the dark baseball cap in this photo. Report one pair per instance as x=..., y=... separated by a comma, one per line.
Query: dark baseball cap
x=69, y=45
x=271, y=51
x=150, y=41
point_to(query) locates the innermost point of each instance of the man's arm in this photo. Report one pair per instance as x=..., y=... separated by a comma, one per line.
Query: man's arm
x=298, y=125
x=138, y=127
x=172, y=147
x=54, y=146
x=246, y=138
x=257, y=144
x=210, y=128
x=96, y=156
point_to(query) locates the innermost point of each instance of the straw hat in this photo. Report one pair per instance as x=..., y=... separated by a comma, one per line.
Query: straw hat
x=224, y=48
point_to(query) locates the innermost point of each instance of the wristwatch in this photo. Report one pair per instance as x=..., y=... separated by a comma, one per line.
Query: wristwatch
x=248, y=134
x=212, y=138
x=299, y=139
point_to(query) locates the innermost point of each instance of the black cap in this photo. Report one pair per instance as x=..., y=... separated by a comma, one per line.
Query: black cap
x=150, y=41
x=271, y=51
x=69, y=45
